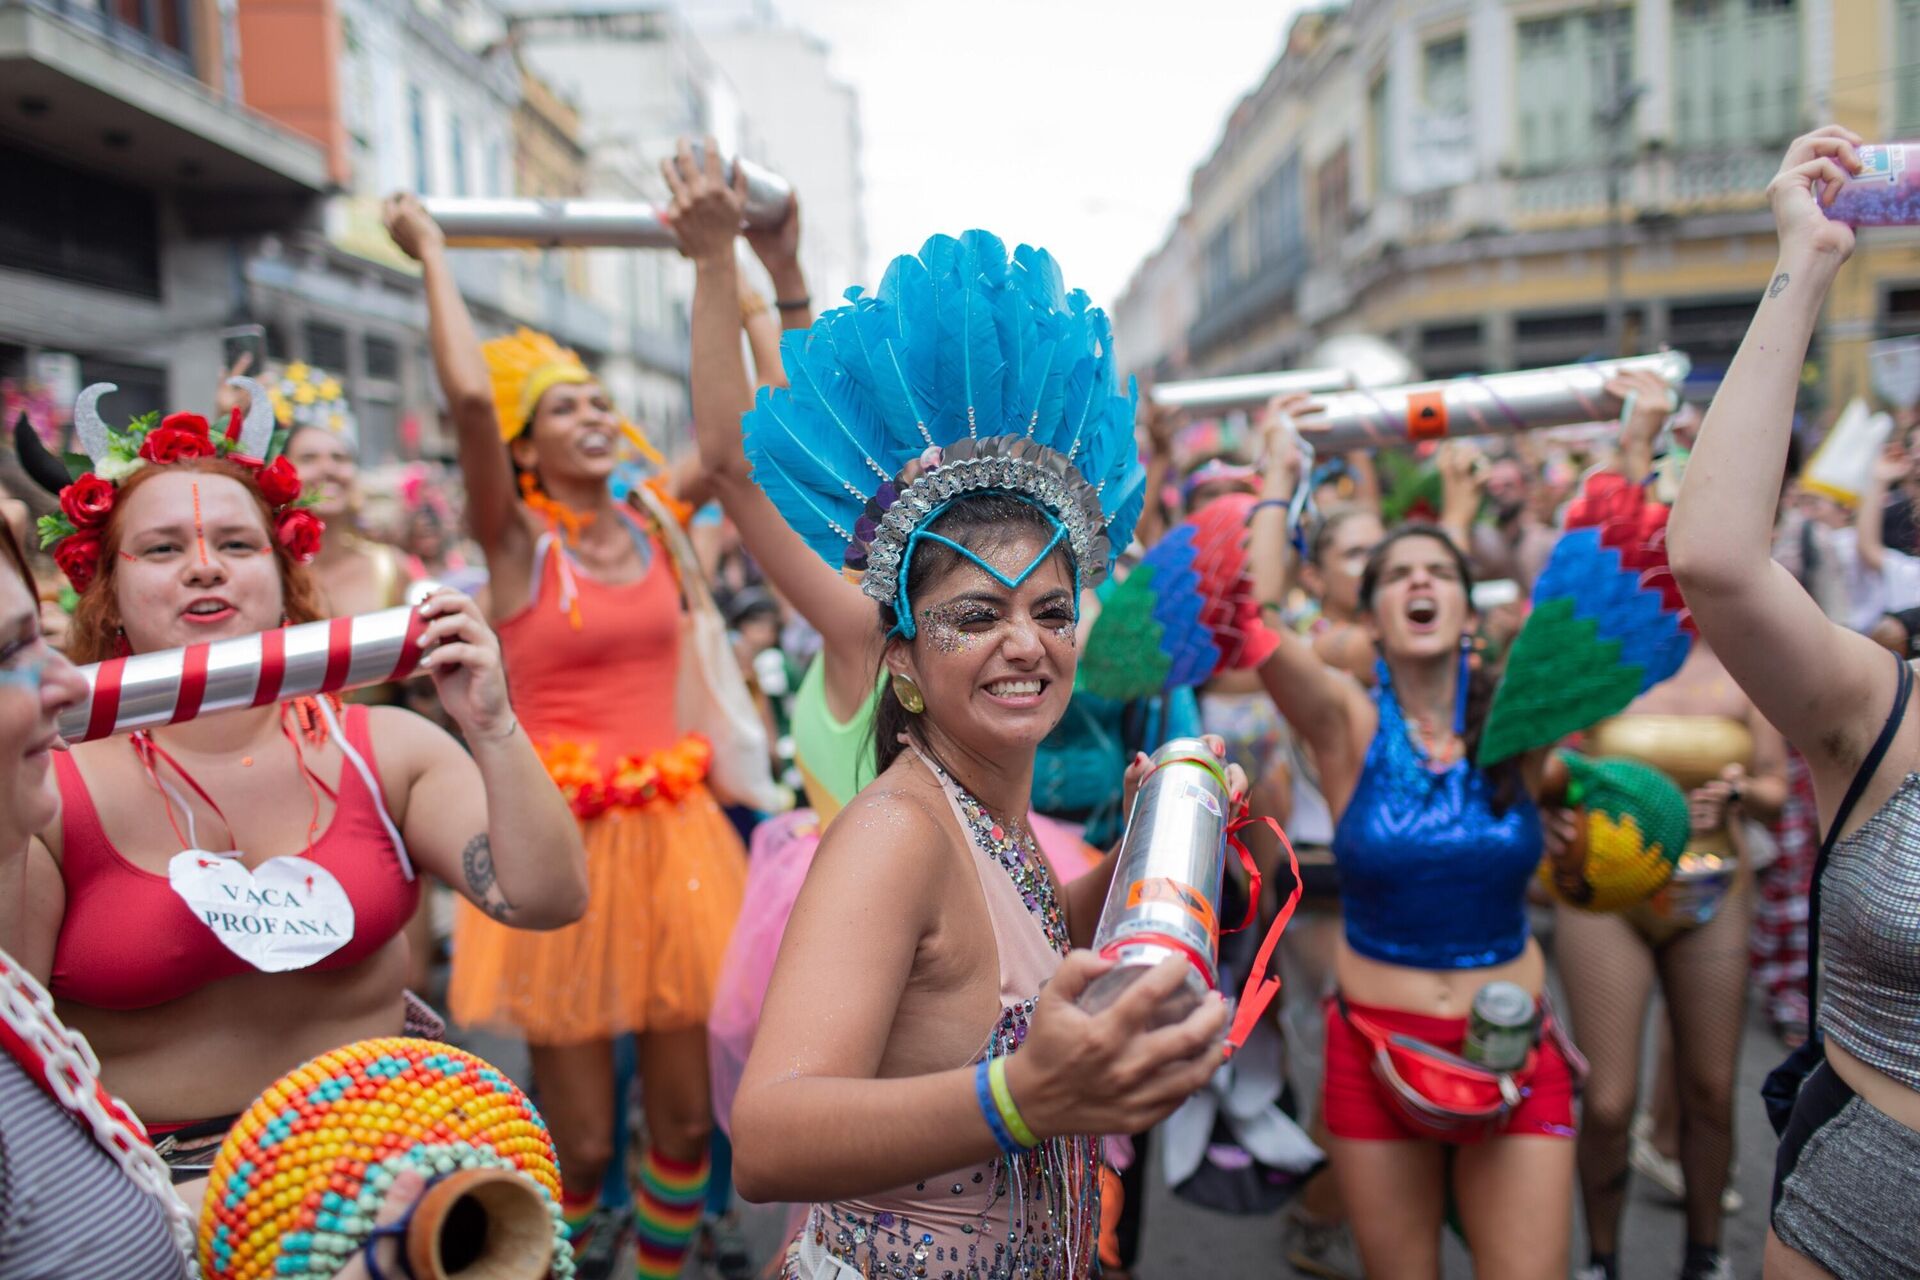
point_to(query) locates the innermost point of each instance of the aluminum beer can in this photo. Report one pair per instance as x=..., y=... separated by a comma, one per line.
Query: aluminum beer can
x=1501, y=1026
x=1165, y=896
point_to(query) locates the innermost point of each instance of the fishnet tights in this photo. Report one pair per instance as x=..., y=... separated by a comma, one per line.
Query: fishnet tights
x=1609, y=968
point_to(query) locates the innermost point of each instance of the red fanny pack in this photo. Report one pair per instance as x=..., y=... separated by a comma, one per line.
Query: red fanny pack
x=1442, y=1095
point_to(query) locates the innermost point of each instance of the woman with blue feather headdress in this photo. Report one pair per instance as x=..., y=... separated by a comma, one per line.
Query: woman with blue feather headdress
x=957, y=445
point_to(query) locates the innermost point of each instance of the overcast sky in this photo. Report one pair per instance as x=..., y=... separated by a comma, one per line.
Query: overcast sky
x=1069, y=124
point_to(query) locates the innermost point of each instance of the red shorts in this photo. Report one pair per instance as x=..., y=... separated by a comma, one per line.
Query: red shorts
x=1356, y=1105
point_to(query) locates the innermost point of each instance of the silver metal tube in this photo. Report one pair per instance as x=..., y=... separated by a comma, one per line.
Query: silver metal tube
x=166, y=687
x=1497, y=404
x=523, y=223
x=1248, y=390
x=1165, y=897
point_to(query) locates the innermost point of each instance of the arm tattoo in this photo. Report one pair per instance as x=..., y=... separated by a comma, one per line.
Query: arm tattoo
x=1779, y=285
x=476, y=860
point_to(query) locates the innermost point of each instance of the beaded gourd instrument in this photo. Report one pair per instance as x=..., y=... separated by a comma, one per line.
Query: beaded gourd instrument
x=296, y=1185
x=1633, y=827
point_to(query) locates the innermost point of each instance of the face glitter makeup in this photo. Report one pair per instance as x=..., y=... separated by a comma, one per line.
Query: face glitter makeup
x=941, y=624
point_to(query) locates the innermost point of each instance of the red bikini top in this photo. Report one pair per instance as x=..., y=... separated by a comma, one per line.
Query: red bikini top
x=129, y=942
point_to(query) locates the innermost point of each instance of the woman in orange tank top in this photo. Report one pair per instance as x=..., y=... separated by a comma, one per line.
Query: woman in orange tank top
x=591, y=597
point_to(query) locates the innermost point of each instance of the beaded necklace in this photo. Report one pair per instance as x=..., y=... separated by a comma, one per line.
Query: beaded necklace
x=1018, y=856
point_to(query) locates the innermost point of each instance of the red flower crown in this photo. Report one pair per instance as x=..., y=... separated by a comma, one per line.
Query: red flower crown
x=76, y=534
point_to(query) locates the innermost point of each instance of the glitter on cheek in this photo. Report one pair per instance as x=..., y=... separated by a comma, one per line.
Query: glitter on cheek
x=940, y=625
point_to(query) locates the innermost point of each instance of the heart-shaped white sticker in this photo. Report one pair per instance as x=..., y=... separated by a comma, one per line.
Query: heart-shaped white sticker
x=287, y=913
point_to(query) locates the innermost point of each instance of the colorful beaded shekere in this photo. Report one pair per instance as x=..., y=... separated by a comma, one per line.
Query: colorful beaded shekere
x=298, y=1182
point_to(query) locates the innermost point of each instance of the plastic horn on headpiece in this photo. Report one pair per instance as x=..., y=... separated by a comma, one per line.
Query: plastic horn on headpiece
x=40, y=463
x=1497, y=404
x=256, y=429
x=36, y=460
x=584, y=224
x=87, y=425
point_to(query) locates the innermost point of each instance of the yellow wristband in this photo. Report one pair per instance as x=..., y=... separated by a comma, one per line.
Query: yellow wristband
x=1003, y=1102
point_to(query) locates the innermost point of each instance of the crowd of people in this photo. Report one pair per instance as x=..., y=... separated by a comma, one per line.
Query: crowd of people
x=754, y=792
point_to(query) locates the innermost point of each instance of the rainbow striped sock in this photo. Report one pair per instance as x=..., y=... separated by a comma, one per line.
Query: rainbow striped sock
x=667, y=1212
x=575, y=1210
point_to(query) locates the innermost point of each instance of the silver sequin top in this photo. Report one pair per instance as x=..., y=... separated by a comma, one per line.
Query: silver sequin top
x=1870, y=939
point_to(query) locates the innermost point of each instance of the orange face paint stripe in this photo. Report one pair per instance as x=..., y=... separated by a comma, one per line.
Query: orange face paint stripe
x=199, y=530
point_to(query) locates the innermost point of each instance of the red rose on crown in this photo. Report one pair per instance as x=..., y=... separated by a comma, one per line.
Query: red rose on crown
x=299, y=532
x=191, y=423
x=87, y=501
x=79, y=558
x=279, y=482
x=173, y=444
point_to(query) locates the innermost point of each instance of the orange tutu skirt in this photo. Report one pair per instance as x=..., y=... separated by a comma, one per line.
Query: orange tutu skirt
x=664, y=888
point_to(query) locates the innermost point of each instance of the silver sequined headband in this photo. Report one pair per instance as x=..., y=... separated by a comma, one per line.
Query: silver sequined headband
x=1012, y=464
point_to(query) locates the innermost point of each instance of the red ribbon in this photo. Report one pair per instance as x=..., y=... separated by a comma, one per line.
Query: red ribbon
x=1261, y=986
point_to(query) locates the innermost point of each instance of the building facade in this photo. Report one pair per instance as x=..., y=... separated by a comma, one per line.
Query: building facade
x=137, y=175
x=405, y=95
x=806, y=127
x=1495, y=184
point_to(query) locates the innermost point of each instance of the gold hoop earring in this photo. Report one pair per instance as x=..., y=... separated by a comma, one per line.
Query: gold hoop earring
x=909, y=695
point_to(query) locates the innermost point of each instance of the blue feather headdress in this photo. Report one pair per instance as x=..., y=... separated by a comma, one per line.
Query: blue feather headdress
x=968, y=371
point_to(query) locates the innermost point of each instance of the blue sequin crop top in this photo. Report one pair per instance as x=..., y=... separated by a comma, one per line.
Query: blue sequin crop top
x=1430, y=876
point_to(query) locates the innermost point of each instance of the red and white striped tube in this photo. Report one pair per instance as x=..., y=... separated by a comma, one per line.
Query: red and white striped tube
x=330, y=656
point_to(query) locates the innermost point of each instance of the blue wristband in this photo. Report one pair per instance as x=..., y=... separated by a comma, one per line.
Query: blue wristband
x=983, y=1093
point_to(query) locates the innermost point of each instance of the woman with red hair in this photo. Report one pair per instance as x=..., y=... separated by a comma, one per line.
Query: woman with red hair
x=176, y=536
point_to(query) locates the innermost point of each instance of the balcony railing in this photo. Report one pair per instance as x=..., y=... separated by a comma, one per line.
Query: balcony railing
x=1659, y=184
x=158, y=29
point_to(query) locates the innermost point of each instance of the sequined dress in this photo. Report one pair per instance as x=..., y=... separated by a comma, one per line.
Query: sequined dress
x=1034, y=1216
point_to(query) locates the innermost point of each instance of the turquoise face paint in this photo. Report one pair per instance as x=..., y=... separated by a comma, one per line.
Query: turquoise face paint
x=28, y=677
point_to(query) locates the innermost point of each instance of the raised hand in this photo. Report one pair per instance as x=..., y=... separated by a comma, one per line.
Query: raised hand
x=1823, y=159
x=705, y=211
x=411, y=226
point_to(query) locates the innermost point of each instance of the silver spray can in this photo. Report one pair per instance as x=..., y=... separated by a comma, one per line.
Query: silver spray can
x=1501, y=1027
x=1165, y=896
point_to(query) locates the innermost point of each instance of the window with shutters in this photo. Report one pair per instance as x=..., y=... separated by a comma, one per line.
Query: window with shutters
x=1443, y=81
x=1566, y=71
x=1736, y=73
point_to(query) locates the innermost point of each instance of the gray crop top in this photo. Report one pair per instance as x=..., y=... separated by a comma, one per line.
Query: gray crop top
x=1870, y=939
